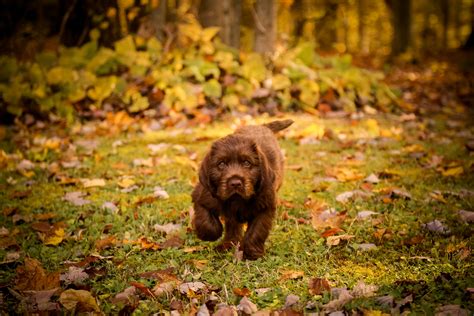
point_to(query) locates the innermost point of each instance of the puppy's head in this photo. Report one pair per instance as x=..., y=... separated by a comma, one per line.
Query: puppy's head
x=235, y=166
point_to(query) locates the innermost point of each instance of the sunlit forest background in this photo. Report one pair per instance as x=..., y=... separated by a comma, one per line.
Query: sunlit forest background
x=64, y=57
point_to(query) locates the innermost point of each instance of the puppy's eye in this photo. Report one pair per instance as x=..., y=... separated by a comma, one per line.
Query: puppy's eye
x=247, y=164
x=221, y=165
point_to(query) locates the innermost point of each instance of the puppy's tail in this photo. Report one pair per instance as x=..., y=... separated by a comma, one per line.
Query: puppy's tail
x=277, y=126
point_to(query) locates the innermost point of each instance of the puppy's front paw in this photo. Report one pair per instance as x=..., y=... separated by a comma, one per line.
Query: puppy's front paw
x=253, y=253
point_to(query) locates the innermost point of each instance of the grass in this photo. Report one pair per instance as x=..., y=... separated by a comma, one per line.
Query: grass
x=436, y=269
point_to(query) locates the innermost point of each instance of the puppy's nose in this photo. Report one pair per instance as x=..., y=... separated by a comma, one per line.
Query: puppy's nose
x=235, y=183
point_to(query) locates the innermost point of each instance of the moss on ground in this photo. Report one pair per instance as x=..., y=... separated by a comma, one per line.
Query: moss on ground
x=435, y=268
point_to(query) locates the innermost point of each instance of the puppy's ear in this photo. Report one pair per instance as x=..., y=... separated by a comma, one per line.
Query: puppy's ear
x=204, y=178
x=267, y=176
x=205, y=171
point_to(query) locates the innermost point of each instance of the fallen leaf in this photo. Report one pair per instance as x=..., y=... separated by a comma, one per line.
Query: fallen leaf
x=142, y=288
x=148, y=245
x=466, y=216
x=331, y=232
x=324, y=217
x=351, y=195
x=106, y=242
x=317, y=286
x=127, y=296
x=160, y=193
x=364, y=290
x=167, y=228
x=126, y=183
x=291, y=300
x=90, y=183
x=225, y=310
x=246, y=306
x=79, y=300
x=157, y=148
x=451, y=310
x=143, y=162
x=203, y=311
x=241, y=292
x=31, y=276
x=76, y=198
x=110, y=206
x=335, y=240
x=40, y=301
x=343, y=298
x=194, y=287
x=173, y=241
x=193, y=249
x=55, y=237
x=372, y=178
x=291, y=274
x=366, y=247
x=344, y=174
x=365, y=214
x=74, y=275
x=452, y=171
x=437, y=227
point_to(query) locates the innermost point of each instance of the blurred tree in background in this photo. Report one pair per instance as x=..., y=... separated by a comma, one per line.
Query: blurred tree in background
x=182, y=56
x=356, y=26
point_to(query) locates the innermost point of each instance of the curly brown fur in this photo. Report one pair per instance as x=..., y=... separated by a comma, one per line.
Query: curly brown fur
x=238, y=181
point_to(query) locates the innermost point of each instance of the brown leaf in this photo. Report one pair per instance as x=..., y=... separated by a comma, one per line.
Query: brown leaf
x=106, y=242
x=317, y=286
x=335, y=240
x=146, y=244
x=241, y=292
x=331, y=232
x=31, y=276
x=324, y=217
x=291, y=274
x=142, y=288
x=173, y=242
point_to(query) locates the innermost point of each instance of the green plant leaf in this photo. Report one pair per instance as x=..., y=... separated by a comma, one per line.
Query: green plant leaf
x=212, y=88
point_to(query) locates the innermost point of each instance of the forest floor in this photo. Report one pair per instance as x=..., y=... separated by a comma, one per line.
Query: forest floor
x=375, y=217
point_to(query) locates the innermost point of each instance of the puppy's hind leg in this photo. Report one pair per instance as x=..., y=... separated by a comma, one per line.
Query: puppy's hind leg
x=206, y=223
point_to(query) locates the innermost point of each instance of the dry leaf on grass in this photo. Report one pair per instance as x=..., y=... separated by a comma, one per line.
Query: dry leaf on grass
x=291, y=274
x=336, y=240
x=91, y=183
x=79, y=300
x=246, y=306
x=76, y=198
x=318, y=286
x=31, y=276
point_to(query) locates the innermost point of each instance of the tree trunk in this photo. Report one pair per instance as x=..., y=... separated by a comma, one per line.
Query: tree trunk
x=445, y=22
x=457, y=20
x=401, y=21
x=224, y=14
x=265, y=26
x=469, y=44
x=361, y=14
x=158, y=19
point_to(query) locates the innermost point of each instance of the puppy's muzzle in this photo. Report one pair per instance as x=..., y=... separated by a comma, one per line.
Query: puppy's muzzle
x=235, y=183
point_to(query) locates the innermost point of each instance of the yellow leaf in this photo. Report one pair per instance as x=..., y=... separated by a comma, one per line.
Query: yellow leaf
x=345, y=174
x=291, y=274
x=208, y=33
x=71, y=298
x=373, y=127
x=413, y=148
x=55, y=239
x=454, y=171
x=314, y=130
x=185, y=161
x=374, y=313
x=125, y=183
x=89, y=183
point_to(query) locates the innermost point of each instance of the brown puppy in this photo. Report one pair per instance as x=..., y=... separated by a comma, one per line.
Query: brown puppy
x=238, y=180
